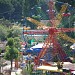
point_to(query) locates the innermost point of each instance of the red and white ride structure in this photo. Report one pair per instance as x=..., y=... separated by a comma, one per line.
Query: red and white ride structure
x=52, y=32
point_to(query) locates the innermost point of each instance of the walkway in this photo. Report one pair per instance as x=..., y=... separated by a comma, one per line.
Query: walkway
x=14, y=71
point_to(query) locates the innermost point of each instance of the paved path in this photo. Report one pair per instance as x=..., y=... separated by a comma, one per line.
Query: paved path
x=14, y=71
x=18, y=71
x=70, y=66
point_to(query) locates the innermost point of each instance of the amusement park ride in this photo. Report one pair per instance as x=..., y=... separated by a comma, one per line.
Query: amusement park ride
x=52, y=32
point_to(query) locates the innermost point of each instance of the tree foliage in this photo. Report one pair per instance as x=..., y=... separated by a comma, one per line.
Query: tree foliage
x=3, y=33
x=15, y=9
x=71, y=2
x=11, y=52
x=17, y=42
x=14, y=32
x=5, y=22
x=10, y=42
x=6, y=8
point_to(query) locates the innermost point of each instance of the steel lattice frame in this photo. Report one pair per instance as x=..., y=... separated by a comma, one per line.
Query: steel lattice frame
x=53, y=32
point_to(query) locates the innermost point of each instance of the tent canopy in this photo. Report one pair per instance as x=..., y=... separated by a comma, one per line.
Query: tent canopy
x=29, y=51
x=72, y=46
x=35, y=49
x=37, y=46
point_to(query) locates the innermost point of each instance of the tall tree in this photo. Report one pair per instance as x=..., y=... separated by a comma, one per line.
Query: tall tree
x=11, y=52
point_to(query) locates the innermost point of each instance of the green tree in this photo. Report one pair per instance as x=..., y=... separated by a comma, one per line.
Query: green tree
x=17, y=14
x=6, y=8
x=14, y=32
x=5, y=22
x=17, y=43
x=10, y=42
x=27, y=5
x=10, y=34
x=3, y=33
x=11, y=52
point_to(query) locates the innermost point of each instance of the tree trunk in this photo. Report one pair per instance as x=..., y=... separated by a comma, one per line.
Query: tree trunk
x=11, y=64
x=16, y=63
x=0, y=64
x=0, y=68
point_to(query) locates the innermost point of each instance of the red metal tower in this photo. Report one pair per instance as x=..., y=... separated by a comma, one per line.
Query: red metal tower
x=53, y=32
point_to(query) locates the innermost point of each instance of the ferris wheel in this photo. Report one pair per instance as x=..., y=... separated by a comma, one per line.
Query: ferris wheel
x=53, y=32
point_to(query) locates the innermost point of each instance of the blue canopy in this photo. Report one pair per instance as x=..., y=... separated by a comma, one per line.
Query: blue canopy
x=37, y=50
x=29, y=51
